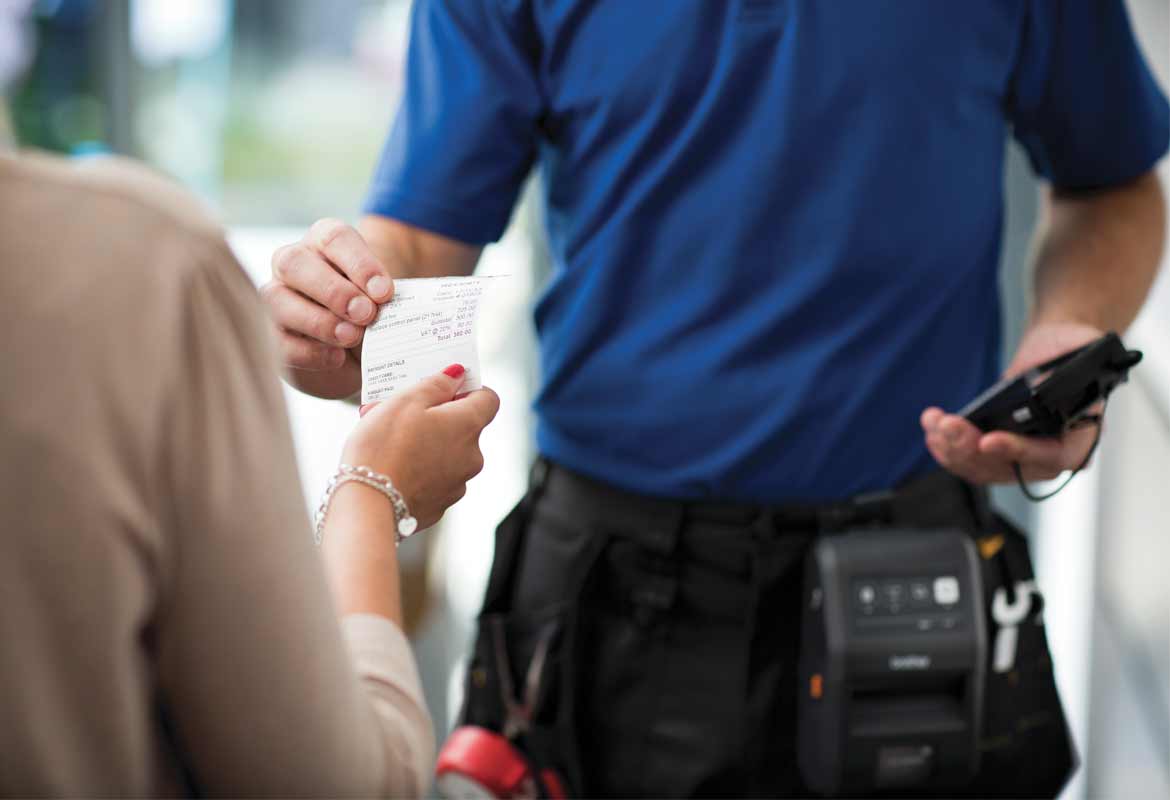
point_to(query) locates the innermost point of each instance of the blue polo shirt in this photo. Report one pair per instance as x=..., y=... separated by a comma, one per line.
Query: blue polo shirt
x=774, y=224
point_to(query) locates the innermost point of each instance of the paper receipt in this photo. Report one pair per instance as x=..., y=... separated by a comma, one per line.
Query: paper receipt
x=427, y=326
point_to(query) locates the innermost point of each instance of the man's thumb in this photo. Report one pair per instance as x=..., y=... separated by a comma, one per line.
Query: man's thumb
x=441, y=387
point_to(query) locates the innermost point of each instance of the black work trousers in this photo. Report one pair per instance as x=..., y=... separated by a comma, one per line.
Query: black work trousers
x=686, y=657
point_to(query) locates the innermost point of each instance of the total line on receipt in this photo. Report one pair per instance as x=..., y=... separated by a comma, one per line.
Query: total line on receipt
x=429, y=324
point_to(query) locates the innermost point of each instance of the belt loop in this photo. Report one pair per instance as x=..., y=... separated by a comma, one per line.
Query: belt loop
x=538, y=475
x=537, y=479
x=656, y=591
x=663, y=533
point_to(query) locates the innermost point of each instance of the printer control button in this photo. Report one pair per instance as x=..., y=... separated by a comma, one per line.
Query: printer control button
x=920, y=593
x=946, y=590
x=894, y=597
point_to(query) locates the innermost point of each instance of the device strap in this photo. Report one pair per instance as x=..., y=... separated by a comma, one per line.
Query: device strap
x=1092, y=419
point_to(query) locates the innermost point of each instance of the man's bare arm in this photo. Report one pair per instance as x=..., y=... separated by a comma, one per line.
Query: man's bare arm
x=1096, y=256
x=325, y=290
x=1098, y=253
x=412, y=252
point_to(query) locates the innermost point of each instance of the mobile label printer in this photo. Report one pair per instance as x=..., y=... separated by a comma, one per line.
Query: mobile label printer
x=892, y=662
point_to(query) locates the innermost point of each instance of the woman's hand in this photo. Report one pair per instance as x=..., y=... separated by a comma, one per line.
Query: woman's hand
x=427, y=441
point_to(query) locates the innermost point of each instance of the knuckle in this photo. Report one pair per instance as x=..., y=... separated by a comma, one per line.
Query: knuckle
x=493, y=403
x=321, y=326
x=284, y=259
x=305, y=354
x=326, y=231
x=270, y=291
x=475, y=464
x=325, y=357
x=488, y=406
x=367, y=266
x=294, y=352
x=337, y=295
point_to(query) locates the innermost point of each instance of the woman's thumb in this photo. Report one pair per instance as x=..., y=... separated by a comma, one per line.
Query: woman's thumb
x=441, y=387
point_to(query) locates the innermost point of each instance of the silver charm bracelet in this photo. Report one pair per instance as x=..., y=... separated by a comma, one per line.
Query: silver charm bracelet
x=405, y=524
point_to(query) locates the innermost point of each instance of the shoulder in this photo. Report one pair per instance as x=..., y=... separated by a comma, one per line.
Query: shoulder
x=131, y=220
x=113, y=181
x=113, y=235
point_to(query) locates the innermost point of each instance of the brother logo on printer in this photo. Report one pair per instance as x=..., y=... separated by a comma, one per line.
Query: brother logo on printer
x=909, y=662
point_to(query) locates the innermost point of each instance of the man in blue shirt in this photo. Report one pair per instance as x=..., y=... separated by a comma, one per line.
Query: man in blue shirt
x=775, y=229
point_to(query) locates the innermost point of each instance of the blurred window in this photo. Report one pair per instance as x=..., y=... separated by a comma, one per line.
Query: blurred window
x=273, y=110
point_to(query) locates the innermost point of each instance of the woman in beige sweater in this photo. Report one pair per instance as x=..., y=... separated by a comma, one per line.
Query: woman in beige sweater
x=166, y=624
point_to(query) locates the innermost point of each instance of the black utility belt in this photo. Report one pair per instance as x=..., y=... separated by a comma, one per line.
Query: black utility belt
x=924, y=666
x=937, y=499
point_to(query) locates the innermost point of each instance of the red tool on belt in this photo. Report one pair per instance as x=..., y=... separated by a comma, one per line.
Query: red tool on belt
x=476, y=762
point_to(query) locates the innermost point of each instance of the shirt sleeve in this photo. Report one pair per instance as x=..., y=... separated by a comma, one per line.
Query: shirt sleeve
x=1083, y=103
x=267, y=694
x=465, y=135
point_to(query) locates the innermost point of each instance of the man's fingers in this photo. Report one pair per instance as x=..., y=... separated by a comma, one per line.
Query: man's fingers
x=345, y=248
x=300, y=268
x=930, y=418
x=294, y=312
x=300, y=353
x=975, y=469
x=954, y=443
x=963, y=449
x=1039, y=459
x=1012, y=447
x=1041, y=456
x=956, y=440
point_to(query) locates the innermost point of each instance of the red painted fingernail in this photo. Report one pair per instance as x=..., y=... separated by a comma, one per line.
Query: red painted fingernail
x=365, y=409
x=455, y=371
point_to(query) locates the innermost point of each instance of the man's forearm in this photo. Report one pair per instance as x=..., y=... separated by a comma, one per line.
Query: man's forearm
x=411, y=252
x=1097, y=254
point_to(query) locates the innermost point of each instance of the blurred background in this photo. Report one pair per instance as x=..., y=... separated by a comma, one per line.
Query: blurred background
x=273, y=111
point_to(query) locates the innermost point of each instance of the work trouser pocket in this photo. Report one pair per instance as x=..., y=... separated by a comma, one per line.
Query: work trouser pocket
x=522, y=676
x=624, y=669
x=667, y=671
x=518, y=661
x=1026, y=747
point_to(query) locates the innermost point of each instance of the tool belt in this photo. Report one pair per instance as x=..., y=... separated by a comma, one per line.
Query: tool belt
x=632, y=560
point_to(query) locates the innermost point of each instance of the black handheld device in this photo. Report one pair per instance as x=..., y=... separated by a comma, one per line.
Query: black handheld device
x=893, y=657
x=1048, y=399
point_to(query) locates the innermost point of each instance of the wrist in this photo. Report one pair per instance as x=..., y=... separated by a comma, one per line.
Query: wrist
x=360, y=555
x=1048, y=317
x=403, y=523
x=1045, y=338
x=362, y=449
